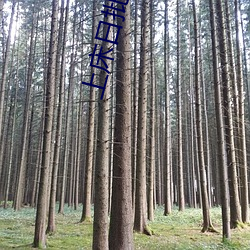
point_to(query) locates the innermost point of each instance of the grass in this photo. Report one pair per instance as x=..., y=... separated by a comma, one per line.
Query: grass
x=180, y=230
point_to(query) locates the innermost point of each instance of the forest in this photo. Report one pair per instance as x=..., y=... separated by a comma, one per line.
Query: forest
x=124, y=124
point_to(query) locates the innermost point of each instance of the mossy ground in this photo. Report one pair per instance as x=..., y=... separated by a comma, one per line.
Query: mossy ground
x=180, y=230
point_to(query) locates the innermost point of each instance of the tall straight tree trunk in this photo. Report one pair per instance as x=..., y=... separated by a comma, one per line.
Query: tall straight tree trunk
x=135, y=105
x=80, y=133
x=60, y=78
x=231, y=114
x=158, y=169
x=241, y=125
x=245, y=65
x=69, y=113
x=231, y=65
x=140, y=220
x=151, y=161
x=86, y=210
x=168, y=203
x=26, y=114
x=226, y=232
x=181, y=198
x=101, y=185
x=13, y=114
x=207, y=224
x=4, y=75
x=12, y=125
x=121, y=233
x=41, y=214
x=191, y=122
x=208, y=151
x=41, y=129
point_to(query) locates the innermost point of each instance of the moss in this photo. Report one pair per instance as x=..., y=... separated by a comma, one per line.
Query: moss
x=41, y=246
x=241, y=225
x=88, y=220
x=148, y=231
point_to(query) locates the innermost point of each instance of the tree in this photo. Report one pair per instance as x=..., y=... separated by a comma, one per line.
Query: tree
x=181, y=198
x=135, y=103
x=68, y=139
x=41, y=214
x=121, y=219
x=6, y=58
x=241, y=123
x=86, y=210
x=207, y=224
x=231, y=113
x=60, y=77
x=152, y=122
x=140, y=220
x=168, y=202
x=26, y=119
x=101, y=200
x=219, y=107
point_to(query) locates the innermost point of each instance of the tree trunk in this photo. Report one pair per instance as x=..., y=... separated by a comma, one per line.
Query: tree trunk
x=140, y=220
x=151, y=161
x=181, y=198
x=60, y=78
x=101, y=186
x=4, y=75
x=168, y=202
x=26, y=114
x=230, y=92
x=241, y=125
x=121, y=219
x=219, y=112
x=135, y=105
x=86, y=210
x=207, y=224
x=41, y=214
x=69, y=113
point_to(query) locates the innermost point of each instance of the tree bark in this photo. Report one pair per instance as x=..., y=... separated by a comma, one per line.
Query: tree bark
x=140, y=220
x=60, y=78
x=207, y=224
x=86, y=211
x=135, y=105
x=168, y=202
x=151, y=161
x=101, y=185
x=181, y=198
x=226, y=234
x=41, y=214
x=241, y=125
x=26, y=114
x=121, y=219
x=4, y=75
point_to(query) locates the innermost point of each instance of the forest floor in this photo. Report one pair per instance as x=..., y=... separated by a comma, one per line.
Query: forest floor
x=180, y=230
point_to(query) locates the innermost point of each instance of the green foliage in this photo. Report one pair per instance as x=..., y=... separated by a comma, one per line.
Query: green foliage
x=180, y=230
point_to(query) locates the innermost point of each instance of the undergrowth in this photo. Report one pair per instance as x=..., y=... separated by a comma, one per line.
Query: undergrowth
x=179, y=230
